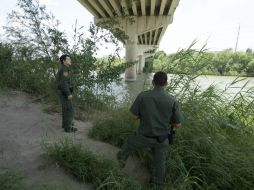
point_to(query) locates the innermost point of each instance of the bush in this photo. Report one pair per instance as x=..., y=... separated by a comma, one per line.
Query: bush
x=115, y=129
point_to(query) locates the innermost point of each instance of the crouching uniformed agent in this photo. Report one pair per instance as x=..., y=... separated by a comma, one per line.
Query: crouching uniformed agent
x=157, y=110
x=65, y=89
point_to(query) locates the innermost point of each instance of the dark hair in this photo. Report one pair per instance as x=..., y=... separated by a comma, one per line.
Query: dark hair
x=63, y=58
x=160, y=78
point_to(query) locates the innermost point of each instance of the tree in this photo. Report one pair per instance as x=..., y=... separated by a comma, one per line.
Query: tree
x=36, y=30
x=250, y=68
x=249, y=50
x=37, y=44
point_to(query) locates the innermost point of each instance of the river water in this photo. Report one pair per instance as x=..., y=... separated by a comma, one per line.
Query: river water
x=127, y=91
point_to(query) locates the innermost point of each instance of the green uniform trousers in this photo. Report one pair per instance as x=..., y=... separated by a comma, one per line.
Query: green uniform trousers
x=159, y=152
x=67, y=111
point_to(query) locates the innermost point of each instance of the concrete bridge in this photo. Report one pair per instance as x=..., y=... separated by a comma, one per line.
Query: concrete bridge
x=150, y=19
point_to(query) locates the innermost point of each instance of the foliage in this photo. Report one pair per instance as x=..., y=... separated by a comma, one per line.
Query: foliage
x=29, y=61
x=116, y=128
x=86, y=167
x=10, y=181
x=205, y=63
x=6, y=53
x=34, y=33
x=213, y=149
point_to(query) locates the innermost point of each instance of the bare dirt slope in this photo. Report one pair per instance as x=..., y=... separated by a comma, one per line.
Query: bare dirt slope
x=23, y=128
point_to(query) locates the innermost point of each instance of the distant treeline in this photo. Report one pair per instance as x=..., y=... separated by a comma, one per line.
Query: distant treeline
x=208, y=63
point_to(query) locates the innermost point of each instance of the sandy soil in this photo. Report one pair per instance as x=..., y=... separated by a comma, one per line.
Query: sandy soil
x=24, y=127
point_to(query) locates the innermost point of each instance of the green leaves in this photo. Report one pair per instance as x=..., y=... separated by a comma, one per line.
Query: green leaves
x=193, y=61
x=31, y=61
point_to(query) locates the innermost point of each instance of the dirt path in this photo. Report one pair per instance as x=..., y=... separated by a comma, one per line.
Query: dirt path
x=24, y=126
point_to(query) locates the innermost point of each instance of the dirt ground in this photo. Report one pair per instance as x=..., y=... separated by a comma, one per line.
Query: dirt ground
x=24, y=126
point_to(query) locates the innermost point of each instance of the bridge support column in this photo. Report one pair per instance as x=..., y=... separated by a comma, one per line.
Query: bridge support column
x=131, y=52
x=141, y=64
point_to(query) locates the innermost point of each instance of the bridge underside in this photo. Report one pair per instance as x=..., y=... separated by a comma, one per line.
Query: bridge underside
x=120, y=8
x=152, y=18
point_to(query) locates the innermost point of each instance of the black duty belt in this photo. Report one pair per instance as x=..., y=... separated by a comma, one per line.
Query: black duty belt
x=160, y=138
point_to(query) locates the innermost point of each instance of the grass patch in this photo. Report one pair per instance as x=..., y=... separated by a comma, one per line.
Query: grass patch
x=11, y=181
x=4, y=91
x=114, y=129
x=88, y=168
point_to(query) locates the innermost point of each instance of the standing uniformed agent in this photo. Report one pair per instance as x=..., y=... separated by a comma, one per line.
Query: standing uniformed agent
x=65, y=89
x=157, y=110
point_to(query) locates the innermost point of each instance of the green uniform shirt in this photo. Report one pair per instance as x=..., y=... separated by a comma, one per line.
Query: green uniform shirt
x=157, y=109
x=64, y=80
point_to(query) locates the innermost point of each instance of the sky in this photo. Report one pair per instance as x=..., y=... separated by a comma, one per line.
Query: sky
x=214, y=22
